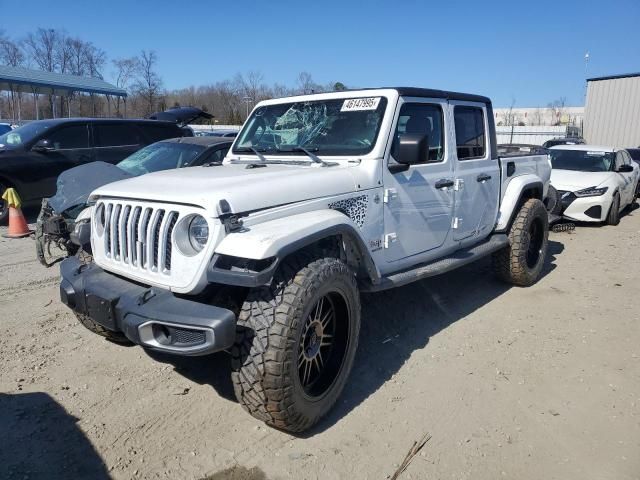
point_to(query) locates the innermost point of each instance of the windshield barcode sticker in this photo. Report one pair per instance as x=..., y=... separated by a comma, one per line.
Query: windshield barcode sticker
x=357, y=104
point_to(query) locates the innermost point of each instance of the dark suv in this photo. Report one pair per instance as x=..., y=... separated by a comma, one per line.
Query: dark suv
x=32, y=156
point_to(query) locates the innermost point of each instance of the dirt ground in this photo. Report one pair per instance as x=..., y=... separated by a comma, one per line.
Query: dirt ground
x=536, y=383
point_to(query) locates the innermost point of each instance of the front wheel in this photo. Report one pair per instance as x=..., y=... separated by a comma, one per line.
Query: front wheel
x=296, y=342
x=613, y=217
x=522, y=261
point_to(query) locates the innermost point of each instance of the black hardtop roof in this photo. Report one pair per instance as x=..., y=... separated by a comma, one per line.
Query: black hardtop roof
x=426, y=93
x=206, y=141
x=431, y=93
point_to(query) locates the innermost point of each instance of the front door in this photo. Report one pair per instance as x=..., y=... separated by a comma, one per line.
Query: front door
x=418, y=202
x=477, y=177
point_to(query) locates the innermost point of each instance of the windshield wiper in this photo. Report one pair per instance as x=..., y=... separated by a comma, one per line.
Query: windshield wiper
x=253, y=150
x=308, y=152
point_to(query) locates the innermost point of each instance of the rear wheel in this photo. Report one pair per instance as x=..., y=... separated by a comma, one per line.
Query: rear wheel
x=296, y=343
x=613, y=218
x=522, y=261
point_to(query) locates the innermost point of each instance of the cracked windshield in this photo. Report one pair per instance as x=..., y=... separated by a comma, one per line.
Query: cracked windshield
x=327, y=127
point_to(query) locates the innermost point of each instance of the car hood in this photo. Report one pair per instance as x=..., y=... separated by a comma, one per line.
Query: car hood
x=74, y=185
x=246, y=189
x=572, y=180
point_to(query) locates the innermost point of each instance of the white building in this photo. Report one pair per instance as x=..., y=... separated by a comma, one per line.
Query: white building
x=613, y=111
x=539, y=116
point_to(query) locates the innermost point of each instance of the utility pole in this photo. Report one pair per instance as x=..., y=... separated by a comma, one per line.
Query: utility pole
x=247, y=100
x=586, y=69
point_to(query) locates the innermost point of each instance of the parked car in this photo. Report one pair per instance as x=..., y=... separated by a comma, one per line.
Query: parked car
x=216, y=133
x=321, y=197
x=63, y=224
x=563, y=141
x=32, y=156
x=4, y=128
x=594, y=183
x=635, y=154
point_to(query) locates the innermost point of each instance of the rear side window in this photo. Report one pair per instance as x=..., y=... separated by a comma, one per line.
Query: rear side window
x=73, y=136
x=155, y=133
x=470, y=134
x=422, y=119
x=114, y=135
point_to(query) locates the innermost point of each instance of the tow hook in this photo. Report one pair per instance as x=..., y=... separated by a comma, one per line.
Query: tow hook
x=146, y=296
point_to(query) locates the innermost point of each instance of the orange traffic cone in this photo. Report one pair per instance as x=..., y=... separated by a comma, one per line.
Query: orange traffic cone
x=17, y=224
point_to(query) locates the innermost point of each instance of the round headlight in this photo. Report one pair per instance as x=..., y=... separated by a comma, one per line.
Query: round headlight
x=198, y=232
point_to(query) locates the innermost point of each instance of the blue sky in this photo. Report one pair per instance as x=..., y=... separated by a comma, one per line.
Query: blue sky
x=531, y=52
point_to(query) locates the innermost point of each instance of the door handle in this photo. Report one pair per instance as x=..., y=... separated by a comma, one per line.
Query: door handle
x=444, y=183
x=483, y=177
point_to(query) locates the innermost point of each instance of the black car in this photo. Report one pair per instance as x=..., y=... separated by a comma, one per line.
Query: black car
x=216, y=133
x=32, y=156
x=634, y=153
x=563, y=141
x=57, y=232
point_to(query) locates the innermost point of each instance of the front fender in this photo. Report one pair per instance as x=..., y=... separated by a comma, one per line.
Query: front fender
x=266, y=244
x=515, y=191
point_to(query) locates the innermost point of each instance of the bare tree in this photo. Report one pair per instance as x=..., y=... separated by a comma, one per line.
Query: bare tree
x=305, y=83
x=149, y=83
x=508, y=117
x=12, y=55
x=126, y=69
x=557, y=109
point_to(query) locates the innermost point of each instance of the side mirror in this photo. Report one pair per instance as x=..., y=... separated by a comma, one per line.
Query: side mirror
x=626, y=168
x=43, y=145
x=412, y=148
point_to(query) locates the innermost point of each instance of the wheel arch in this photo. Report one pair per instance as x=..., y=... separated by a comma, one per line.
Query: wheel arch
x=251, y=256
x=519, y=190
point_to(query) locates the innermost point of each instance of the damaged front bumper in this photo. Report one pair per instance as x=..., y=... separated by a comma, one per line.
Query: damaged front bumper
x=151, y=317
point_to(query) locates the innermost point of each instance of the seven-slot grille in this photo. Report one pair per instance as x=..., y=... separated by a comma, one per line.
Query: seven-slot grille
x=138, y=235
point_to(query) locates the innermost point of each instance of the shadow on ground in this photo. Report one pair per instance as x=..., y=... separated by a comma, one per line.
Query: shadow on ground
x=40, y=440
x=395, y=323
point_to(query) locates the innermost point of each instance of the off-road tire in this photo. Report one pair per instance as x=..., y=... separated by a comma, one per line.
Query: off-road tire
x=270, y=342
x=521, y=263
x=613, y=217
x=86, y=321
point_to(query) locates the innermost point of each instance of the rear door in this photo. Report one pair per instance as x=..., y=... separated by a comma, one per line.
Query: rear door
x=626, y=180
x=418, y=202
x=116, y=141
x=477, y=175
x=69, y=148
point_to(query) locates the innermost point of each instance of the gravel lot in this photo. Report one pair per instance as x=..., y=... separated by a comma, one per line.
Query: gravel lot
x=511, y=383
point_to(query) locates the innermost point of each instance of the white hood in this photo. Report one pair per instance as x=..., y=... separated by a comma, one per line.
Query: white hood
x=571, y=180
x=245, y=189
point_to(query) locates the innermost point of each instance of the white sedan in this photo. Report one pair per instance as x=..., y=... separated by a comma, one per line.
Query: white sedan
x=594, y=183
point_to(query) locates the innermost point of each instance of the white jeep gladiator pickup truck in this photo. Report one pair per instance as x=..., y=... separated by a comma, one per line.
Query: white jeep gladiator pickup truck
x=320, y=198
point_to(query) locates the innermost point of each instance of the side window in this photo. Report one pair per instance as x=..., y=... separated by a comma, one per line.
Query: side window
x=470, y=134
x=619, y=160
x=425, y=119
x=73, y=136
x=213, y=157
x=115, y=135
x=627, y=158
x=155, y=133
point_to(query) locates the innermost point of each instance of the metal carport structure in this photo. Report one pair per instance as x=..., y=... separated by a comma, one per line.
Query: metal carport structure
x=39, y=82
